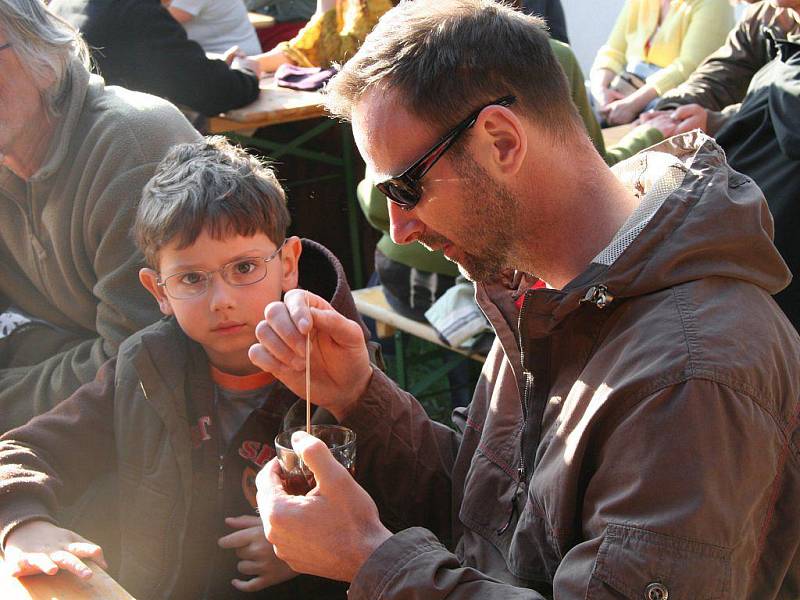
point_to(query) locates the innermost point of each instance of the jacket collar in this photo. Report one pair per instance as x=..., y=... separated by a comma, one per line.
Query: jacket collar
x=699, y=231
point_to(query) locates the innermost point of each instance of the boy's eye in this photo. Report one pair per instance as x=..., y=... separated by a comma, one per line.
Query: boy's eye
x=192, y=278
x=244, y=267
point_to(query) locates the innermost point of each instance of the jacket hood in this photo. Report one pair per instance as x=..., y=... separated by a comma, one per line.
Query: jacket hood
x=716, y=223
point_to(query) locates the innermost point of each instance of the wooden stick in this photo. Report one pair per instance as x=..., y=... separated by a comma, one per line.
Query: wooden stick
x=308, y=373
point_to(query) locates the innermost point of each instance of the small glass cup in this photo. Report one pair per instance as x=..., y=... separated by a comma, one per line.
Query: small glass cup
x=298, y=479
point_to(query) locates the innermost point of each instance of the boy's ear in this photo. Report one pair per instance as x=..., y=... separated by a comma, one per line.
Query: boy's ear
x=149, y=279
x=290, y=257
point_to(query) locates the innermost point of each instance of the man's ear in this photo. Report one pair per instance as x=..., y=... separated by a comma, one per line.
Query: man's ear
x=149, y=279
x=290, y=257
x=505, y=139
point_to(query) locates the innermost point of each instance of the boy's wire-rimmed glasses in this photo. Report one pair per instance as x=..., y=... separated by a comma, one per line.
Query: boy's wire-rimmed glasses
x=405, y=189
x=240, y=272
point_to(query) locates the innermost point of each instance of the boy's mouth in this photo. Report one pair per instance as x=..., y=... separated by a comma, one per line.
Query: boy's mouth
x=228, y=327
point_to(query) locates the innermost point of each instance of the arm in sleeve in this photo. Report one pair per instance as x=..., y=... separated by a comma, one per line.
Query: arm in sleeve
x=677, y=499
x=404, y=459
x=724, y=77
x=334, y=36
x=174, y=67
x=611, y=55
x=710, y=23
x=51, y=460
x=633, y=142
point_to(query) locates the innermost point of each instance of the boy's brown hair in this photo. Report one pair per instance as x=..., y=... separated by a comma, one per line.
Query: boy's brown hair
x=211, y=185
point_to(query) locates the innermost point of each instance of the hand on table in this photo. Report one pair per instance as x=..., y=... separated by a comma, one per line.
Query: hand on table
x=340, y=366
x=329, y=532
x=661, y=120
x=41, y=547
x=256, y=553
x=604, y=96
x=620, y=112
x=690, y=117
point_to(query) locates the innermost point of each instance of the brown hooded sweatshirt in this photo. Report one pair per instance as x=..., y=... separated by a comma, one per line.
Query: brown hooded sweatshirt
x=633, y=435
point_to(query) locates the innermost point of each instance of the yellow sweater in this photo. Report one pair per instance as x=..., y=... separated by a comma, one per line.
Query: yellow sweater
x=335, y=36
x=690, y=31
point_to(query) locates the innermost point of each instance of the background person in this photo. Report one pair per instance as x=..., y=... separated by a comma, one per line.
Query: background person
x=290, y=17
x=333, y=34
x=602, y=453
x=746, y=95
x=660, y=42
x=145, y=49
x=74, y=157
x=217, y=25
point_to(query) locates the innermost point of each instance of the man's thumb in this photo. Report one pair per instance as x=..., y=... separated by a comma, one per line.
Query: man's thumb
x=316, y=455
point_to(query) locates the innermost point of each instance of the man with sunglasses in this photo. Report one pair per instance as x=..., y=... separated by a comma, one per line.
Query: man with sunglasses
x=633, y=434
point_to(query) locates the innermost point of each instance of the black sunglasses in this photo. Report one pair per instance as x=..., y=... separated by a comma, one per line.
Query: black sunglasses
x=405, y=189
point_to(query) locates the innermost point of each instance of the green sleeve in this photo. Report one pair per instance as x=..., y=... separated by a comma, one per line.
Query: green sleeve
x=637, y=140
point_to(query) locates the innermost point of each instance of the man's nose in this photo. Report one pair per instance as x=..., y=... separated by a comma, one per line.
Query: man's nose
x=404, y=226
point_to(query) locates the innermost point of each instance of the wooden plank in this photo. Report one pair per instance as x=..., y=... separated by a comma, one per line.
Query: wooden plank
x=274, y=105
x=612, y=135
x=259, y=21
x=372, y=303
x=62, y=586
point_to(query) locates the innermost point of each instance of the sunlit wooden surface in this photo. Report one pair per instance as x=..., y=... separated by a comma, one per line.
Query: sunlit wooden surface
x=273, y=106
x=612, y=135
x=61, y=586
x=259, y=21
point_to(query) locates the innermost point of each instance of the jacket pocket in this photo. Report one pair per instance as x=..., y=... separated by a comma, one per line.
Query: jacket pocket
x=643, y=565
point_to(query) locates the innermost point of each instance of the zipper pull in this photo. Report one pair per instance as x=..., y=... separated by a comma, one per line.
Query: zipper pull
x=513, y=510
x=599, y=296
x=221, y=473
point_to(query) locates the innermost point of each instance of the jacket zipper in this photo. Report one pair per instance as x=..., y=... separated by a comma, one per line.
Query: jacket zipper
x=220, y=488
x=521, y=469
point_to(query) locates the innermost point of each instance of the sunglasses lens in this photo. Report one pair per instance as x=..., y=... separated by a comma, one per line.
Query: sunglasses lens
x=400, y=193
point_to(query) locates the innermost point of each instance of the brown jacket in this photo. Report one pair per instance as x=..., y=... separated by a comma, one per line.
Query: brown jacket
x=720, y=83
x=633, y=435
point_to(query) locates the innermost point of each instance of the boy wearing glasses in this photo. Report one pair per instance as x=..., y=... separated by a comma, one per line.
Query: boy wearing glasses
x=182, y=415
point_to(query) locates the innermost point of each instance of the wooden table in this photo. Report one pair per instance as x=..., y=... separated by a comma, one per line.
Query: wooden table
x=259, y=21
x=612, y=135
x=61, y=586
x=276, y=105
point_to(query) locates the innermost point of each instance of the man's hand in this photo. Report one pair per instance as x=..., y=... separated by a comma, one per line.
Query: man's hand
x=689, y=117
x=603, y=96
x=41, y=547
x=663, y=121
x=256, y=553
x=329, y=532
x=340, y=368
x=620, y=112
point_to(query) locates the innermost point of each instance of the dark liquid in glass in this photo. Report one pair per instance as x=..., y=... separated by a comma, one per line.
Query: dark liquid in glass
x=299, y=484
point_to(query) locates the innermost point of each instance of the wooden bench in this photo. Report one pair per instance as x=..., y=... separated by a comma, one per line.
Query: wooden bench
x=371, y=302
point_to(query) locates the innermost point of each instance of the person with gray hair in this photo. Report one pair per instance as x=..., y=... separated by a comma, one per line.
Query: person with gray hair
x=634, y=431
x=74, y=157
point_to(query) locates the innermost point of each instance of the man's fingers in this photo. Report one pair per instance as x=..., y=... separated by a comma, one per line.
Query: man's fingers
x=70, y=562
x=316, y=455
x=341, y=330
x=85, y=549
x=687, y=110
x=279, y=336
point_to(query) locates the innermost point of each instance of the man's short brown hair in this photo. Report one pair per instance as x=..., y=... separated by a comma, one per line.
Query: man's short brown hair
x=443, y=58
x=208, y=185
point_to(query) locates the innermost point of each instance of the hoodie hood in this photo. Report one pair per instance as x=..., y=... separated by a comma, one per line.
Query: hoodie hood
x=716, y=223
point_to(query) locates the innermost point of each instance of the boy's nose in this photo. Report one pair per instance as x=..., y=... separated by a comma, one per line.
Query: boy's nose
x=220, y=293
x=404, y=226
